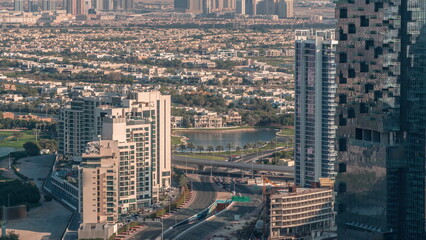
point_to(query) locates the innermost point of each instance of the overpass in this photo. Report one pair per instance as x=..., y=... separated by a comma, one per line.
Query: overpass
x=179, y=160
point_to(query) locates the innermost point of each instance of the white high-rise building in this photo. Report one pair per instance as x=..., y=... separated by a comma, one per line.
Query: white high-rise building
x=124, y=118
x=315, y=70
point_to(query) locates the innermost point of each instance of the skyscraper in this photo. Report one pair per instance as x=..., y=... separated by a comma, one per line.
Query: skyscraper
x=381, y=117
x=18, y=5
x=285, y=8
x=77, y=7
x=315, y=70
x=241, y=7
x=49, y=5
x=33, y=6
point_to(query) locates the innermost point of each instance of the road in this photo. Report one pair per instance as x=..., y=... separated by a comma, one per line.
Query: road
x=218, y=225
x=238, y=165
x=253, y=157
x=205, y=195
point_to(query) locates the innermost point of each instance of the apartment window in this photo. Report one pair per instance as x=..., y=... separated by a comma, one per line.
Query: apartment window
x=363, y=108
x=343, y=13
x=358, y=133
x=365, y=22
x=342, y=144
x=351, y=28
x=351, y=73
x=351, y=113
x=378, y=6
x=364, y=67
x=342, y=98
x=343, y=57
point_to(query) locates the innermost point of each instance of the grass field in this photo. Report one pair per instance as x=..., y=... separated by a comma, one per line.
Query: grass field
x=287, y=132
x=8, y=140
x=176, y=140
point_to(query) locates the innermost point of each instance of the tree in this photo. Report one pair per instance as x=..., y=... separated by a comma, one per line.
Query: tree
x=11, y=235
x=31, y=148
x=200, y=148
x=238, y=148
x=50, y=144
x=182, y=147
x=36, y=132
x=190, y=146
x=182, y=180
x=17, y=135
x=229, y=146
x=210, y=148
x=219, y=148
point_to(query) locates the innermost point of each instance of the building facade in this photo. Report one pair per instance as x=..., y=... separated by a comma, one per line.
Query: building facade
x=315, y=109
x=121, y=118
x=381, y=117
x=301, y=213
x=18, y=5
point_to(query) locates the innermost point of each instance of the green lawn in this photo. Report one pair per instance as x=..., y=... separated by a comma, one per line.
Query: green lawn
x=8, y=140
x=176, y=140
x=287, y=132
x=201, y=156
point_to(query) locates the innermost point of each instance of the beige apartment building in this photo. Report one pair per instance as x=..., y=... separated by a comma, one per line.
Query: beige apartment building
x=301, y=214
x=139, y=121
x=208, y=121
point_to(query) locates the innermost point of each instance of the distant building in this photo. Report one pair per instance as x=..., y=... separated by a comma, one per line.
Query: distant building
x=285, y=8
x=77, y=7
x=18, y=5
x=315, y=109
x=208, y=121
x=177, y=121
x=302, y=213
x=251, y=7
x=241, y=7
x=281, y=8
x=33, y=6
x=48, y=5
x=233, y=118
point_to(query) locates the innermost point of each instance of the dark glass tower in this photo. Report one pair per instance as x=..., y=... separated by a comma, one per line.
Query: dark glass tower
x=381, y=117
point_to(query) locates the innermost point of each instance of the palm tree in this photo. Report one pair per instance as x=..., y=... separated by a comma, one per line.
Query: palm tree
x=18, y=135
x=200, y=148
x=229, y=146
x=238, y=148
x=219, y=148
x=182, y=147
x=210, y=148
x=190, y=146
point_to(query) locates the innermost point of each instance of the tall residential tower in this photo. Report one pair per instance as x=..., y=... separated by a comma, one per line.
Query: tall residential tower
x=315, y=70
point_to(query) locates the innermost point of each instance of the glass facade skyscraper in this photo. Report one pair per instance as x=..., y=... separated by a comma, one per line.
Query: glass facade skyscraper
x=381, y=115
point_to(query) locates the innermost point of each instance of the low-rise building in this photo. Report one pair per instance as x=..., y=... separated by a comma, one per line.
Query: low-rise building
x=301, y=213
x=233, y=118
x=211, y=120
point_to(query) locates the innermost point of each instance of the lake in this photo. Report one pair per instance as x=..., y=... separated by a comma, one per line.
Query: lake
x=238, y=137
x=6, y=150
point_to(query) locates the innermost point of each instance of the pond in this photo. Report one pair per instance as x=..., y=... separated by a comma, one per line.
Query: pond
x=6, y=150
x=237, y=137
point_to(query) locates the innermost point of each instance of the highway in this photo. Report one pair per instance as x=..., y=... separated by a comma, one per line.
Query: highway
x=239, y=165
x=204, y=197
x=214, y=226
